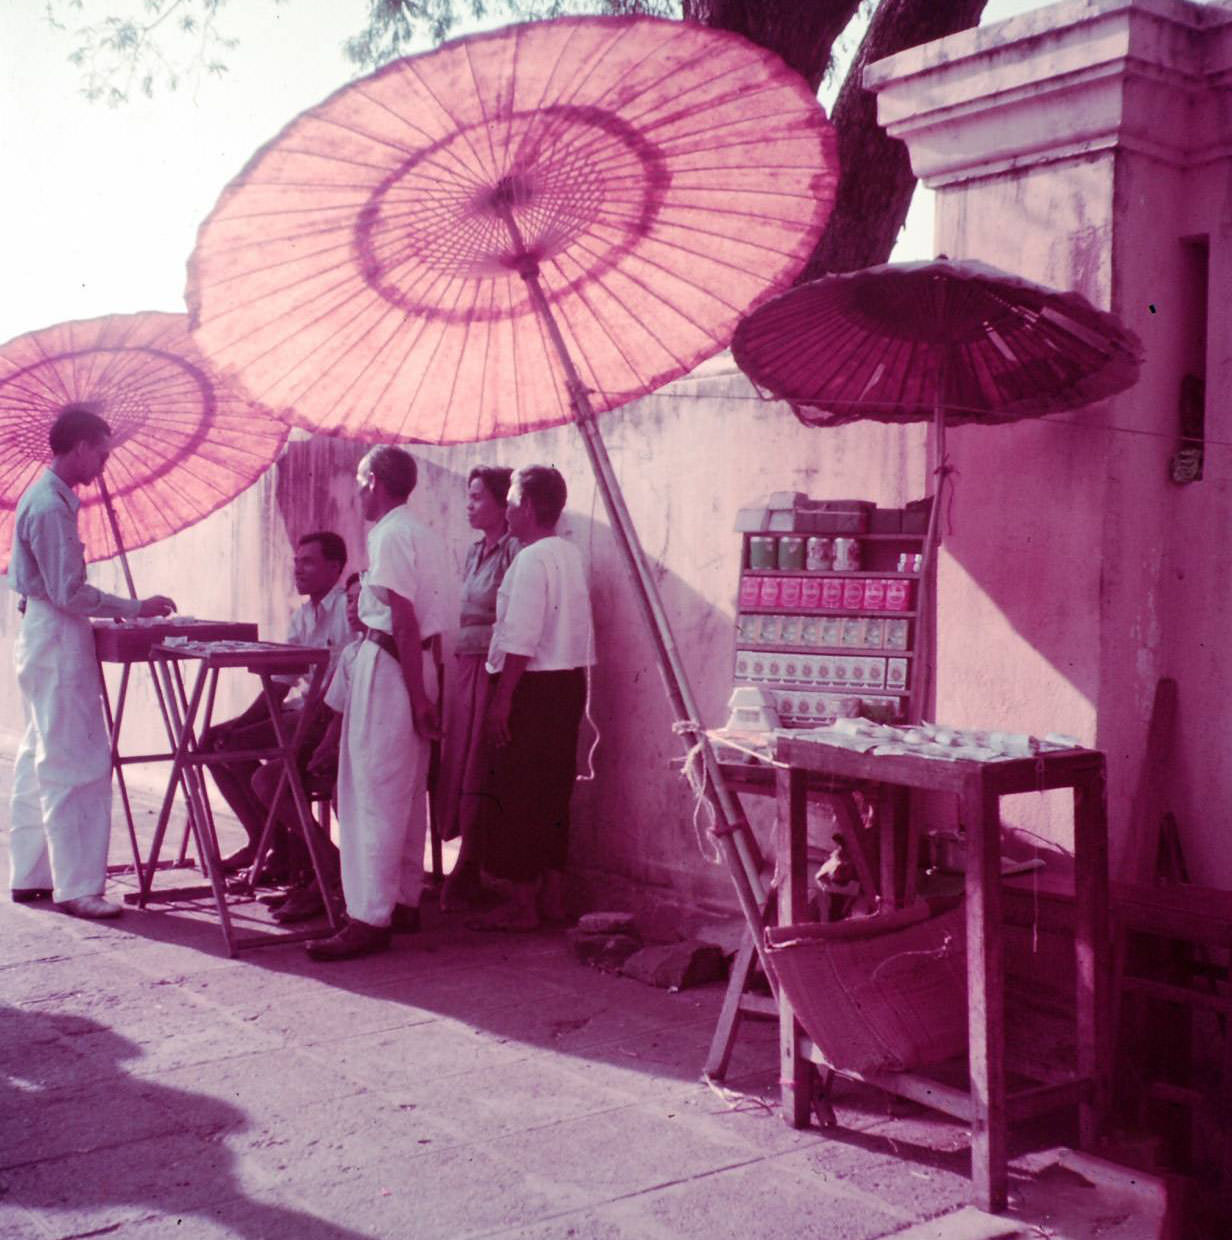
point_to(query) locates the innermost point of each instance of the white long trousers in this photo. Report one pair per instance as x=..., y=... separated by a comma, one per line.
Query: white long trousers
x=382, y=789
x=60, y=824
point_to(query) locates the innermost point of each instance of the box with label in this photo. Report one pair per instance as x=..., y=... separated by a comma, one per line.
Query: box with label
x=791, y=667
x=793, y=627
x=771, y=630
x=896, y=674
x=806, y=669
x=748, y=627
x=831, y=592
x=898, y=595
x=874, y=593
x=896, y=634
x=757, y=666
x=810, y=631
x=810, y=593
x=789, y=592
x=744, y=664
x=768, y=593
x=750, y=591
x=853, y=593
x=832, y=630
x=825, y=669
x=853, y=632
x=874, y=671
x=874, y=633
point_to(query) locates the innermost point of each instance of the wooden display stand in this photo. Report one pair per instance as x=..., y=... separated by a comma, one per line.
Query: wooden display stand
x=804, y=650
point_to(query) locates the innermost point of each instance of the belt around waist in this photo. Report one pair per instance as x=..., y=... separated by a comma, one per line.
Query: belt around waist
x=387, y=643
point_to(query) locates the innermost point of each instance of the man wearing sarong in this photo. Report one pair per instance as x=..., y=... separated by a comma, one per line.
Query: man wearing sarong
x=60, y=824
x=391, y=715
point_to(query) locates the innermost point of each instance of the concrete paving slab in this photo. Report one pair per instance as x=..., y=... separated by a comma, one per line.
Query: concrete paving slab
x=461, y=1085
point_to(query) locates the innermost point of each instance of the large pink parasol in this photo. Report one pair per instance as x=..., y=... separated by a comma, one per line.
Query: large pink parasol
x=362, y=272
x=518, y=230
x=185, y=443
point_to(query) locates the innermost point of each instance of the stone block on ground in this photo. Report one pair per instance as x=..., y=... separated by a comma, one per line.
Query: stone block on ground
x=607, y=923
x=602, y=949
x=675, y=966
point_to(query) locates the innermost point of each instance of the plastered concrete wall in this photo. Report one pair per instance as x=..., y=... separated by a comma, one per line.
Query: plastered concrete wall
x=1082, y=146
x=687, y=458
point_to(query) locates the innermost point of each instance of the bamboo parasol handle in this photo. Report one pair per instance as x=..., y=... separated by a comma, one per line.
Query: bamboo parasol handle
x=115, y=533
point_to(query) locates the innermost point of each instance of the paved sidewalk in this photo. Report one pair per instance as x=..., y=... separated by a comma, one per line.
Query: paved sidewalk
x=459, y=1085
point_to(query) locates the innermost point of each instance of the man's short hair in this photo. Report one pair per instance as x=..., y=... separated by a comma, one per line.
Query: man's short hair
x=394, y=468
x=495, y=479
x=543, y=488
x=75, y=424
x=333, y=548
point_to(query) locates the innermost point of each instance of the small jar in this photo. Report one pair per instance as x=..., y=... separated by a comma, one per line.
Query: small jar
x=763, y=552
x=819, y=555
x=791, y=553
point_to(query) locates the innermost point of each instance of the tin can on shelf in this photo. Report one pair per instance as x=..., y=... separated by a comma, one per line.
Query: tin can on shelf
x=810, y=593
x=853, y=593
x=831, y=592
x=789, y=591
x=763, y=552
x=846, y=555
x=768, y=592
x=791, y=553
x=819, y=555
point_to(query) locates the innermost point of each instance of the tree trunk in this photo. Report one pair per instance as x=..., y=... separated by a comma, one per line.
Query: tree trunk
x=802, y=32
x=876, y=181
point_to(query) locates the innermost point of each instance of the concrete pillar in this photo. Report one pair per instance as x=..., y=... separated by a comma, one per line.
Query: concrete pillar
x=1088, y=146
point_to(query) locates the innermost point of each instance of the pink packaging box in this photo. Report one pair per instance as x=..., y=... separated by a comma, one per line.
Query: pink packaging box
x=750, y=591
x=898, y=595
x=874, y=593
x=768, y=594
x=831, y=592
x=853, y=593
x=789, y=592
x=811, y=593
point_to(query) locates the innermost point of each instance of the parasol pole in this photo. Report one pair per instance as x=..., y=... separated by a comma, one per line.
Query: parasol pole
x=732, y=827
x=115, y=533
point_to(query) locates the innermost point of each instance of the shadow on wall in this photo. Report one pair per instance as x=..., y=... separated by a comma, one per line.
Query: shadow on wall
x=85, y=1139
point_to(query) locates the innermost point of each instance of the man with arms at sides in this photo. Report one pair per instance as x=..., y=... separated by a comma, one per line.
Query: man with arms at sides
x=391, y=716
x=541, y=646
x=60, y=822
x=320, y=621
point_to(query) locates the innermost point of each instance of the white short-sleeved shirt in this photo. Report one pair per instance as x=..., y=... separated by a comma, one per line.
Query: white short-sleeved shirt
x=318, y=624
x=543, y=610
x=406, y=557
x=339, y=688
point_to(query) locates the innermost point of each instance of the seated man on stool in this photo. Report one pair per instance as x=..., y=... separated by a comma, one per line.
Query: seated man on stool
x=319, y=771
x=321, y=621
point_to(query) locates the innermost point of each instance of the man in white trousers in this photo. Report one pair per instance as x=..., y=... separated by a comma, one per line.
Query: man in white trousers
x=60, y=824
x=390, y=718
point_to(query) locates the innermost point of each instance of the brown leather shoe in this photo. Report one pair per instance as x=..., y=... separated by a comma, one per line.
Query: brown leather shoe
x=28, y=895
x=356, y=938
x=405, y=919
x=301, y=905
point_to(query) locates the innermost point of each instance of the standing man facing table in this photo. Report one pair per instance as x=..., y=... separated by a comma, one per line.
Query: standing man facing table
x=60, y=822
x=390, y=719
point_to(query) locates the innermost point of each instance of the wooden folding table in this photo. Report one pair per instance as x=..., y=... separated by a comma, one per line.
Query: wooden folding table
x=185, y=705
x=978, y=786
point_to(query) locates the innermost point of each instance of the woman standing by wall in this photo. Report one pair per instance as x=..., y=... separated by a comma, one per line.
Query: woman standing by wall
x=464, y=752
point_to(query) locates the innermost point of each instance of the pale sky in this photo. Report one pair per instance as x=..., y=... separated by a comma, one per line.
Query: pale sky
x=99, y=206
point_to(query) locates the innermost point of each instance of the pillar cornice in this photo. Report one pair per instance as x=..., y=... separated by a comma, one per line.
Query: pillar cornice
x=1073, y=80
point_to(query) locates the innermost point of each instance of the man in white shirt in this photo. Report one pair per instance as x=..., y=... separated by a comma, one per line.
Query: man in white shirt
x=320, y=621
x=391, y=715
x=541, y=646
x=60, y=823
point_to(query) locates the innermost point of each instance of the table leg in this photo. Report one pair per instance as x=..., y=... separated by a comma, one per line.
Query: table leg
x=1093, y=950
x=980, y=816
x=795, y=1072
